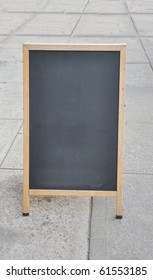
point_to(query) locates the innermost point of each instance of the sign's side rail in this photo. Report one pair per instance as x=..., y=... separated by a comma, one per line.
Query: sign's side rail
x=120, y=156
x=25, y=131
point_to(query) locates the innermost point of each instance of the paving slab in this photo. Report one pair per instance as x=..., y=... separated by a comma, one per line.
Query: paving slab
x=8, y=131
x=12, y=55
x=140, y=6
x=24, y=6
x=21, y=130
x=98, y=248
x=2, y=38
x=113, y=7
x=50, y=24
x=138, y=103
x=135, y=52
x=138, y=144
x=10, y=22
x=106, y=25
x=148, y=45
x=16, y=42
x=139, y=75
x=8, y=54
x=99, y=212
x=1, y=9
x=7, y=70
x=144, y=24
x=14, y=159
x=11, y=96
x=57, y=227
x=130, y=237
x=137, y=191
x=66, y=6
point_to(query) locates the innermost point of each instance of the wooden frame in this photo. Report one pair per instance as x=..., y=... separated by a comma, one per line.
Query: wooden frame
x=75, y=47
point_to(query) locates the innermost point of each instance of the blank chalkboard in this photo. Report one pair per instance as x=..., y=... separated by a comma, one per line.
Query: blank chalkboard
x=73, y=118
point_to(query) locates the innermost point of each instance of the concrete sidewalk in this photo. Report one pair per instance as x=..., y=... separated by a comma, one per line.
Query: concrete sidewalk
x=72, y=227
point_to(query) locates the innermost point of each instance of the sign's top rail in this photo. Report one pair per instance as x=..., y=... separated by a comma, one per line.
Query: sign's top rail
x=74, y=47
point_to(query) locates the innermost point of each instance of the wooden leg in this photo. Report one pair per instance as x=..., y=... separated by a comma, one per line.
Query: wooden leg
x=25, y=202
x=119, y=204
x=25, y=131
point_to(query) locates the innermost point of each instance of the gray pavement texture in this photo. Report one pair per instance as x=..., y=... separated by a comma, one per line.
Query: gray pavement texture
x=78, y=227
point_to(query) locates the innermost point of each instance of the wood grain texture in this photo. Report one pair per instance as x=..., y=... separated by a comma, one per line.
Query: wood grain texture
x=25, y=130
x=74, y=47
x=71, y=193
x=121, y=133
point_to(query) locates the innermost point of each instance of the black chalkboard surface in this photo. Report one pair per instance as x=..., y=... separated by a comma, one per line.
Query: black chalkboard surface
x=73, y=118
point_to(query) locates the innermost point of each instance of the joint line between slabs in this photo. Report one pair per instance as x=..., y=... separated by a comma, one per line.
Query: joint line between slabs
x=11, y=168
x=138, y=173
x=11, y=34
x=33, y=15
x=79, y=19
x=90, y=223
x=10, y=119
x=139, y=36
x=73, y=36
x=138, y=122
x=80, y=13
x=10, y=146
